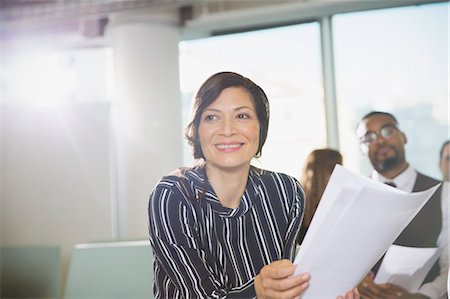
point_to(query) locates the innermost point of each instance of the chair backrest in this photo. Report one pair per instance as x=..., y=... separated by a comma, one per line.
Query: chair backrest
x=30, y=272
x=111, y=270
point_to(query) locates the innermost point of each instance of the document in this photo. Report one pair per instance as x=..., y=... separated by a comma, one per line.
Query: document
x=406, y=266
x=355, y=223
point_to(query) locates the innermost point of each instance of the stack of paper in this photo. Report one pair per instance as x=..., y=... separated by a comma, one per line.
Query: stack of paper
x=406, y=266
x=355, y=223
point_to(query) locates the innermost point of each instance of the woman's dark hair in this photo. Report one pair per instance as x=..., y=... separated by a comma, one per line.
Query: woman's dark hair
x=316, y=172
x=314, y=178
x=210, y=91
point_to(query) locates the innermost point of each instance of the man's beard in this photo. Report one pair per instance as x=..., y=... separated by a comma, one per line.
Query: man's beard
x=387, y=164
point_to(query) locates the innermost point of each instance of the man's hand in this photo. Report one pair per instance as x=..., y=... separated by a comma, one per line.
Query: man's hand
x=370, y=290
x=399, y=292
x=353, y=294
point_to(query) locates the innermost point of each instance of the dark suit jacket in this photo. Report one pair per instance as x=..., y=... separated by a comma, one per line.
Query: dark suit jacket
x=424, y=229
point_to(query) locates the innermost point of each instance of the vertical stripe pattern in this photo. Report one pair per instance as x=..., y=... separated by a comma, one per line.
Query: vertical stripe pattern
x=204, y=250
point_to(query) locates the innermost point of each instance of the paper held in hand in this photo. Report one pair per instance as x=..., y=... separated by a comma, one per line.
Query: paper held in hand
x=355, y=223
x=406, y=266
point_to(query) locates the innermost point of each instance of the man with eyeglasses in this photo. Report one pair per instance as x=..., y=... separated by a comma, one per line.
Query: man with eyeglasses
x=384, y=143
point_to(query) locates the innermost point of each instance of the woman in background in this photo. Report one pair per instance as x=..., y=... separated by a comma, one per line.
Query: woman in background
x=316, y=172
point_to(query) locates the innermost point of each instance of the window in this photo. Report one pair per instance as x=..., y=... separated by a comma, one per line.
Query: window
x=394, y=60
x=286, y=63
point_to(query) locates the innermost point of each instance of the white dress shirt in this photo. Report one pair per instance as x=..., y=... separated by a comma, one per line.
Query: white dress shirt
x=437, y=288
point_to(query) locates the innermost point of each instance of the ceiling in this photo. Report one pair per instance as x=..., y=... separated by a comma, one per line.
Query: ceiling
x=88, y=18
x=20, y=17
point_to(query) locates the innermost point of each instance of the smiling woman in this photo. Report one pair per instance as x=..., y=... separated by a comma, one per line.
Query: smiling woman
x=204, y=220
x=229, y=130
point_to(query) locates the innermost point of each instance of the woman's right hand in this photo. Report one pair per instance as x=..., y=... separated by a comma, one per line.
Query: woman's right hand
x=276, y=281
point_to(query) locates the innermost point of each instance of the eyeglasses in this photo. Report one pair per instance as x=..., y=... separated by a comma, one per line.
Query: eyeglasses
x=371, y=137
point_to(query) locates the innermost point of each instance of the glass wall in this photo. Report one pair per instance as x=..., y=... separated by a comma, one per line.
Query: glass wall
x=286, y=63
x=394, y=60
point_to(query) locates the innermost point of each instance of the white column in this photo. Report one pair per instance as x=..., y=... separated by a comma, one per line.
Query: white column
x=329, y=80
x=146, y=114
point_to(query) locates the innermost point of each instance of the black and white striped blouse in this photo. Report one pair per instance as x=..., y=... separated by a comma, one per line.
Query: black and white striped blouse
x=204, y=250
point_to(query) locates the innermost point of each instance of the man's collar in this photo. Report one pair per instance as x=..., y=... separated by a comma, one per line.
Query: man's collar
x=402, y=181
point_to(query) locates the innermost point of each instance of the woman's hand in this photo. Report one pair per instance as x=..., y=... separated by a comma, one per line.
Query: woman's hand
x=275, y=281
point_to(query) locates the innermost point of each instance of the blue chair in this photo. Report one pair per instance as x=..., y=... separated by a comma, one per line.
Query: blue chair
x=111, y=270
x=30, y=272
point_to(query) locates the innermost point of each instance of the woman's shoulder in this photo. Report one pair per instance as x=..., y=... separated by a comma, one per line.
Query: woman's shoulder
x=168, y=181
x=276, y=179
x=181, y=180
x=277, y=186
x=264, y=173
x=174, y=189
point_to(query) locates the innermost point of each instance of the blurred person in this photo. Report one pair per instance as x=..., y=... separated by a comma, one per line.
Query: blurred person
x=224, y=228
x=444, y=166
x=314, y=178
x=444, y=160
x=384, y=143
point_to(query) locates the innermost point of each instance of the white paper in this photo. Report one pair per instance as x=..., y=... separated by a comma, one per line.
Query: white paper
x=406, y=266
x=355, y=223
